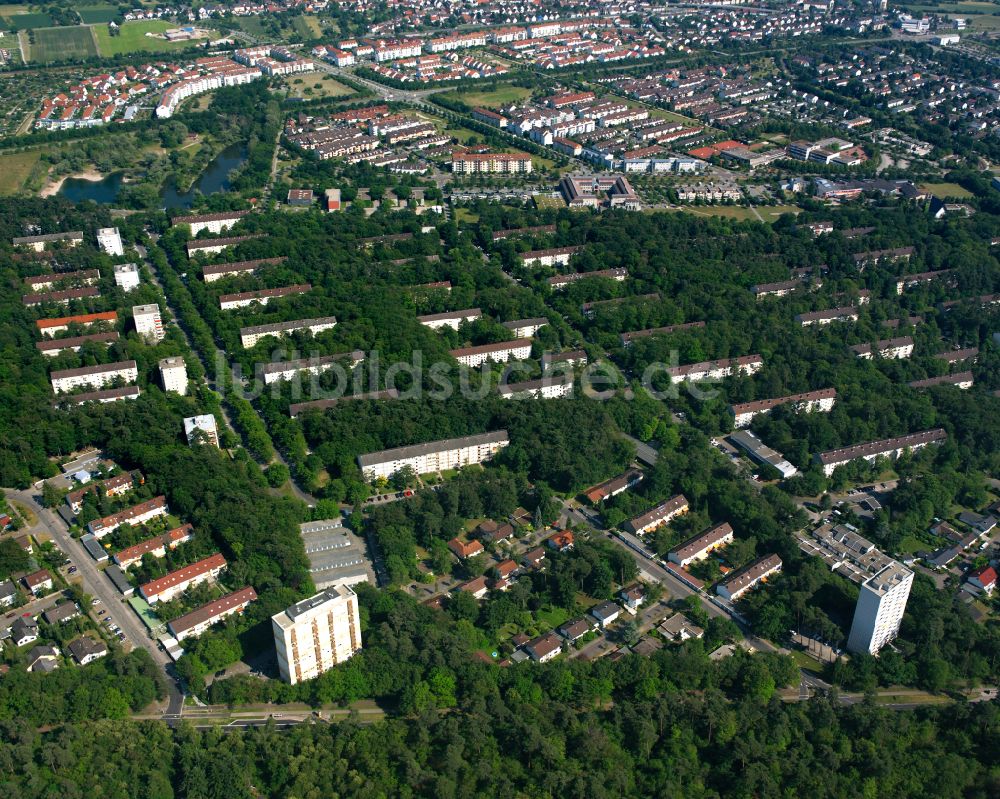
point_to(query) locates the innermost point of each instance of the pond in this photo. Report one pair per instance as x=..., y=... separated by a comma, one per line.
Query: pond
x=215, y=178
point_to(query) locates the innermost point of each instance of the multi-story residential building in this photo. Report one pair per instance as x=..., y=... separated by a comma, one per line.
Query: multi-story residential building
x=288, y=370
x=298, y=407
x=80, y=277
x=864, y=259
x=177, y=582
x=249, y=336
x=213, y=246
x=66, y=380
x=137, y=514
x=544, y=388
x=451, y=319
x=314, y=635
x=156, y=547
x=434, y=456
x=212, y=272
x=909, y=281
x=62, y=297
x=557, y=282
x=821, y=400
x=715, y=370
x=614, y=486
x=201, y=430
x=961, y=380
x=52, y=327
x=52, y=347
x=127, y=277
x=760, y=452
x=199, y=620
x=847, y=313
x=110, y=241
x=886, y=448
x=661, y=514
x=262, y=297
x=748, y=578
x=626, y=339
x=103, y=396
x=173, y=375
x=213, y=223
x=702, y=545
x=526, y=328
x=148, y=322
x=879, y=611
x=116, y=486
x=492, y=163
x=500, y=352
x=40, y=243
x=895, y=348
x=551, y=257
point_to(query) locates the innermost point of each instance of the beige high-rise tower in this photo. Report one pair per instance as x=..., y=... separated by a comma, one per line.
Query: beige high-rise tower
x=316, y=634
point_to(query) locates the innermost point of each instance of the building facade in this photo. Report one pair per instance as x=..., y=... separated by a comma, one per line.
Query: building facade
x=173, y=375
x=880, y=609
x=434, y=456
x=314, y=635
x=148, y=322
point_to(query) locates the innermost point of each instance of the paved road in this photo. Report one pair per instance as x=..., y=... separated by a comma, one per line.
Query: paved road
x=100, y=587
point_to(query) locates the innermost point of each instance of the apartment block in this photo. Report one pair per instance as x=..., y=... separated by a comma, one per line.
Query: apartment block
x=156, y=547
x=249, y=336
x=544, y=388
x=435, y=456
x=79, y=277
x=103, y=396
x=500, y=352
x=127, y=277
x=52, y=327
x=452, y=319
x=491, y=163
x=66, y=380
x=201, y=430
x=288, y=370
x=661, y=514
x=886, y=448
x=748, y=578
x=41, y=243
x=879, y=611
x=626, y=339
x=213, y=223
x=213, y=272
x=551, y=257
x=213, y=246
x=61, y=297
x=199, y=620
x=110, y=241
x=263, y=297
x=808, y=402
x=52, y=347
x=894, y=348
x=702, y=545
x=557, y=282
x=173, y=375
x=844, y=314
x=177, y=582
x=715, y=370
x=526, y=328
x=137, y=514
x=148, y=322
x=314, y=635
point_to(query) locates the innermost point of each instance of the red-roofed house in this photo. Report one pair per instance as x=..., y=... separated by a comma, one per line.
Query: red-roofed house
x=984, y=578
x=465, y=549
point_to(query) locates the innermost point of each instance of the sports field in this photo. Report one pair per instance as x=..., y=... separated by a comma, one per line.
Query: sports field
x=15, y=169
x=59, y=44
x=132, y=38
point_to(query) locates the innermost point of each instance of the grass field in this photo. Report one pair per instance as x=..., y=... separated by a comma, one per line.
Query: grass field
x=308, y=27
x=946, y=190
x=26, y=21
x=132, y=38
x=768, y=213
x=502, y=96
x=316, y=86
x=99, y=15
x=56, y=44
x=14, y=170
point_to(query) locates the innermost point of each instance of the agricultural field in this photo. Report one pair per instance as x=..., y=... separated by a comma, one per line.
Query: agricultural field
x=58, y=44
x=132, y=38
x=15, y=169
x=18, y=16
x=97, y=15
x=946, y=190
x=316, y=86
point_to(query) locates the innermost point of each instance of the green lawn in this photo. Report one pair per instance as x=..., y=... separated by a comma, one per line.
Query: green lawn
x=316, y=85
x=501, y=96
x=804, y=661
x=910, y=544
x=14, y=170
x=97, y=15
x=56, y=44
x=550, y=617
x=946, y=190
x=132, y=38
x=465, y=215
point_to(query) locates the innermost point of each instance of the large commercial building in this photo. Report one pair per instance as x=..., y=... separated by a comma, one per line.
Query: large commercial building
x=249, y=336
x=888, y=448
x=65, y=380
x=314, y=635
x=880, y=609
x=702, y=545
x=200, y=619
x=148, y=322
x=434, y=456
x=177, y=582
x=173, y=375
x=822, y=400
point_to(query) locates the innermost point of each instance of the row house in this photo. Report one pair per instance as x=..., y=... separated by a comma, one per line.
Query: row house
x=702, y=545
x=136, y=515
x=748, y=578
x=198, y=621
x=177, y=582
x=662, y=514
x=156, y=547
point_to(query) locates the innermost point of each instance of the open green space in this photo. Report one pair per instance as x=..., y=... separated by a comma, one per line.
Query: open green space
x=316, y=86
x=768, y=213
x=25, y=21
x=97, y=15
x=502, y=95
x=58, y=44
x=946, y=190
x=308, y=27
x=15, y=169
x=132, y=38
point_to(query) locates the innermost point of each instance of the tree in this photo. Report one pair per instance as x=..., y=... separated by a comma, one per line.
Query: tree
x=277, y=475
